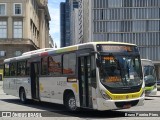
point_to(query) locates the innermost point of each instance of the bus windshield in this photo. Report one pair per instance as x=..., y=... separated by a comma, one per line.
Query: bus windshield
x=118, y=71
x=149, y=75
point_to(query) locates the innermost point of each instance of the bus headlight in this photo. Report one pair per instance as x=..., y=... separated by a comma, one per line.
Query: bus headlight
x=105, y=96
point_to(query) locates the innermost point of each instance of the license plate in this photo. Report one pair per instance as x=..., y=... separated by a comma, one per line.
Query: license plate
x=126, y=106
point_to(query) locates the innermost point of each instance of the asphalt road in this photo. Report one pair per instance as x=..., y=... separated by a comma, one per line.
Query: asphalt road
x=58, y=112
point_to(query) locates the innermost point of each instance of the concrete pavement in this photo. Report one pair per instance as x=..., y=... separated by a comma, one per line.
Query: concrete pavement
x=12, y=103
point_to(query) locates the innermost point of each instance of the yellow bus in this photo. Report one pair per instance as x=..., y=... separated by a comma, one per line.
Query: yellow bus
x=149, y=76
x=1, y=72
x=96, y=75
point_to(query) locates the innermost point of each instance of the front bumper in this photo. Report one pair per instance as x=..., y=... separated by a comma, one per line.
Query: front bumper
x=150, y=92
x=118, y=104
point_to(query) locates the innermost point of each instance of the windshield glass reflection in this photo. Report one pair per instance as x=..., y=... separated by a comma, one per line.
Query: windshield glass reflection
x=121, y=71
x=149, y=75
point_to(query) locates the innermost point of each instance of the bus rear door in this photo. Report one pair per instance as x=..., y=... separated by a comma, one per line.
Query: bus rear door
x=35, y=80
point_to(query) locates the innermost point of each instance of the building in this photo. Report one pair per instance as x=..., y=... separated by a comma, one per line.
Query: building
x=133, y=21
x=24, y=26
x=80, y=22
x=52, y=43
x=66, y=18
x=73, y=15
x=63, y=24
x=75, y=24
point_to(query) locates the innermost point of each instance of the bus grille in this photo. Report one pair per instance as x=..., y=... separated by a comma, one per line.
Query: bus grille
x=122, y=104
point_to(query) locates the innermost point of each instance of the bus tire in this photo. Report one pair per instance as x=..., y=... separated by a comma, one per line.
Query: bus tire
x=70, y=102
x=22, y=96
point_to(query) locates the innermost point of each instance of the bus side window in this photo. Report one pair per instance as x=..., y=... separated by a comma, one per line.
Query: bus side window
x=27, y=68
x=69, y=64
x=21, y=68
x=50, y=64
x=44, y=66
x=6, y=69
x=55, y=65
x=13, y=69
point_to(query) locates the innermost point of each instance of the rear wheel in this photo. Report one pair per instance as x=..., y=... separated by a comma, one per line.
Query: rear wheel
x=70, y=103
x=22, y=96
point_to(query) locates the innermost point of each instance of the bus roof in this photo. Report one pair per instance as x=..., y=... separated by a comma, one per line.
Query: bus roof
x=112, y=42
x=104, y=42
x=37, y=51
x=147, y=62
x=48, y=51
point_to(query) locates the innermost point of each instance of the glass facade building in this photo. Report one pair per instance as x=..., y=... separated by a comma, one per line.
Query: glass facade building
x=66, y=9
x=64, y=23
x=133, y=21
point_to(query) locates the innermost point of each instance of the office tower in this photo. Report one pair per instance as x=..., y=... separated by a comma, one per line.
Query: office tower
x=66, y=21
x=133, y=21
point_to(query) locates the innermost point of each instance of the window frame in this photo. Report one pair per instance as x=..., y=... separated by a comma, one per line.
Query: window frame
x=41, y=68
x=4, y=73
x=5, y=11
x=15, y=74
x=14, y=8
x=18, y=63
x=61, y=60
x=1, y=53
x=54, y=74
x=69, y=59
x=4, y=28
x=17, y=20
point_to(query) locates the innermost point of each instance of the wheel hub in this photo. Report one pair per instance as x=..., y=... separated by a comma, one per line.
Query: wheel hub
x=72, y=103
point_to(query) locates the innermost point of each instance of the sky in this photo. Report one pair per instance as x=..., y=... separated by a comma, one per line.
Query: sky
x=54, y=10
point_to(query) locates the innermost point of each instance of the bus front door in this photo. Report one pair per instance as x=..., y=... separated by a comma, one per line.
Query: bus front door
x=85, y=66
x=35, y=80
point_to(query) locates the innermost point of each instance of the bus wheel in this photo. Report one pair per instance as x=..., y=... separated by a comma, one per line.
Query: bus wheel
x=22, y=96
x=71, y=103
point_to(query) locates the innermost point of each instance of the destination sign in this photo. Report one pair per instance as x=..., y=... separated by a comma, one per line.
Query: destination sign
x=113, y=79
x=108, y=58
x=117, y=48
